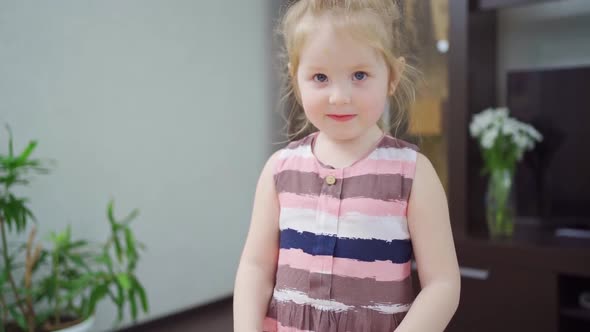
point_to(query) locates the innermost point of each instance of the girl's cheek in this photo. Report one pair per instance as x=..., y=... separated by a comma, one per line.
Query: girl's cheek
x=311, y=94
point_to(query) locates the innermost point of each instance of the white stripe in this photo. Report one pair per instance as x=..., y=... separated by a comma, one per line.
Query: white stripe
x=351, y=225
x=404, y=154
x=300, y=151
x=389, y=309
x=285, y=295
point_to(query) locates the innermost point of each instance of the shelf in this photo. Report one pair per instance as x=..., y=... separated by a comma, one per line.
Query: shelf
x=531, y=247
x=499, y=4
x=533, y=236
x=577, y=313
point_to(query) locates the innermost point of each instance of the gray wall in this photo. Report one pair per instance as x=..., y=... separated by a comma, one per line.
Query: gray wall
x=552, y=34
x=164, y=106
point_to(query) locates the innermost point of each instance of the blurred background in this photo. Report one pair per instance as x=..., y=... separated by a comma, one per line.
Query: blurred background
x=171, y=107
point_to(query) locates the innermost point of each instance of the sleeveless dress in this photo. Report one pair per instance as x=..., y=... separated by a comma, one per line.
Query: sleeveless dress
x=345, y=252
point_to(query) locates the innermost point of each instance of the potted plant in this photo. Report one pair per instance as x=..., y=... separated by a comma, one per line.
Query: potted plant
x=502, y=140
x=55, y=284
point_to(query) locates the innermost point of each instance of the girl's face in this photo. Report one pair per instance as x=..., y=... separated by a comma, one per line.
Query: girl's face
x=343, y=83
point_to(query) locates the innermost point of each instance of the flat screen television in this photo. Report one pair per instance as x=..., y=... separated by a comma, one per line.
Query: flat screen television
x=552, y=184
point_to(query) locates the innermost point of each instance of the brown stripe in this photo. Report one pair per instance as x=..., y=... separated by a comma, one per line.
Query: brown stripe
x=386, y=187
x=306, y=317
x=348, y=290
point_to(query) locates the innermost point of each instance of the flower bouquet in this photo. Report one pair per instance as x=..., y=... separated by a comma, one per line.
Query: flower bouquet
x=503, y=140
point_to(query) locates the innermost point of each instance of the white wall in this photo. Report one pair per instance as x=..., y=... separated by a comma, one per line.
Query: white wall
x=163, y=106
x=551, y=34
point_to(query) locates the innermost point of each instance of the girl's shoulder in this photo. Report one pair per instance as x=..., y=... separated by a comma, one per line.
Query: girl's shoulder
x=292, y=153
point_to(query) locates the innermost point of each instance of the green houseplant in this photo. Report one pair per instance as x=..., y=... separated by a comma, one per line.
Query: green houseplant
x=54, y=284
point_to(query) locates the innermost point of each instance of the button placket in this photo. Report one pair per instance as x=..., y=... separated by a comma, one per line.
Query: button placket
x=332, y=225
x=327, y=216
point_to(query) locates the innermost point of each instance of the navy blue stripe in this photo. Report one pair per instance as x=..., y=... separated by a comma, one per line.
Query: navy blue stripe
x=397, y=251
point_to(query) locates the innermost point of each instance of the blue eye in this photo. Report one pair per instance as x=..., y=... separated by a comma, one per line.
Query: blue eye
x=320, y=78
x=360, y=75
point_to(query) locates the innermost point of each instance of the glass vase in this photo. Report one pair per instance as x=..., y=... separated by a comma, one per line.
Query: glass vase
x=499, y=203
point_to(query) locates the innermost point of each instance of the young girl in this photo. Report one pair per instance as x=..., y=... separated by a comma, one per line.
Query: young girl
x=339, y=213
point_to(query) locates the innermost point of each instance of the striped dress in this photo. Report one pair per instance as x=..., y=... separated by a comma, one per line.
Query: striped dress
x=345, y=252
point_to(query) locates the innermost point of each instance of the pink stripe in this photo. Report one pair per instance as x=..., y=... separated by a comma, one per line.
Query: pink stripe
x=378, y=270
x=333, y=206
x=372, y=166
x=367, y=166
x=289, y=329
x=271, y=325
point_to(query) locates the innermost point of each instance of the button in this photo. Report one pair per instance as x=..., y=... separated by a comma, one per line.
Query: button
x=330, y=179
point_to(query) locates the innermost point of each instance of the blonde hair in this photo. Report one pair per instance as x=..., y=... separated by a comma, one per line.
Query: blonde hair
x=379, y=23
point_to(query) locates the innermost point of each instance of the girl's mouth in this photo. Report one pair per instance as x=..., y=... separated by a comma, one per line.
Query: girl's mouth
x=344, y=117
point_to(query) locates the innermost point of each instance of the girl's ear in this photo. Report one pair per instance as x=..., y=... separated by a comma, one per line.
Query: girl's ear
x=399, y=70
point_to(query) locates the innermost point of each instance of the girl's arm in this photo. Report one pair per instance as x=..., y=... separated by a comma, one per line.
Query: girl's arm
x=256, y=272
x=434, y=251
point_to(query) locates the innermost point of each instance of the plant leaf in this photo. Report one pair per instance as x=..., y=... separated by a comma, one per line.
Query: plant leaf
x=120, y=301
x=118, y=248
x=98, y=293
x=130, y=217
x=132, y=303
x=142, y=295
x=131, y=249
x=124, y=280
x=110, y=213
x=26, y=153
x=77, y=244
x=3, y=276
x=18, y=318
x=78, y=261
x=105, y=259
x=10, y=142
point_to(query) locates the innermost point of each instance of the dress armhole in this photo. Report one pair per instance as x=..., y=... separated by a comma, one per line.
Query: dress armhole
x=277, y=165
x=411, y=173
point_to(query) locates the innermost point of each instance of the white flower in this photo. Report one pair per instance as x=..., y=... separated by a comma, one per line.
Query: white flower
x=501, y=113
x=482, y=121
x=510, y=127
x=521, y=140
x=532, y=132
x=474, y=130
x=496, y=131
x=479, y=123
x=489, y=137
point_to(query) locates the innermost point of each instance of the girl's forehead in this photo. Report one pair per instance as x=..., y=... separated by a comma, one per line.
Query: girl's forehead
x=331, y=47
x=325, y=41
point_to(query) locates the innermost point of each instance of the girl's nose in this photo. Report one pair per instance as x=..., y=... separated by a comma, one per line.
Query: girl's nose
x=339, y=96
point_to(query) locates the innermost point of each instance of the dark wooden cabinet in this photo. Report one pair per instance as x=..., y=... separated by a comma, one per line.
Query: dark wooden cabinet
x=492, y=305
x=504, y=297
x=532, y=281
x=529, y=283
